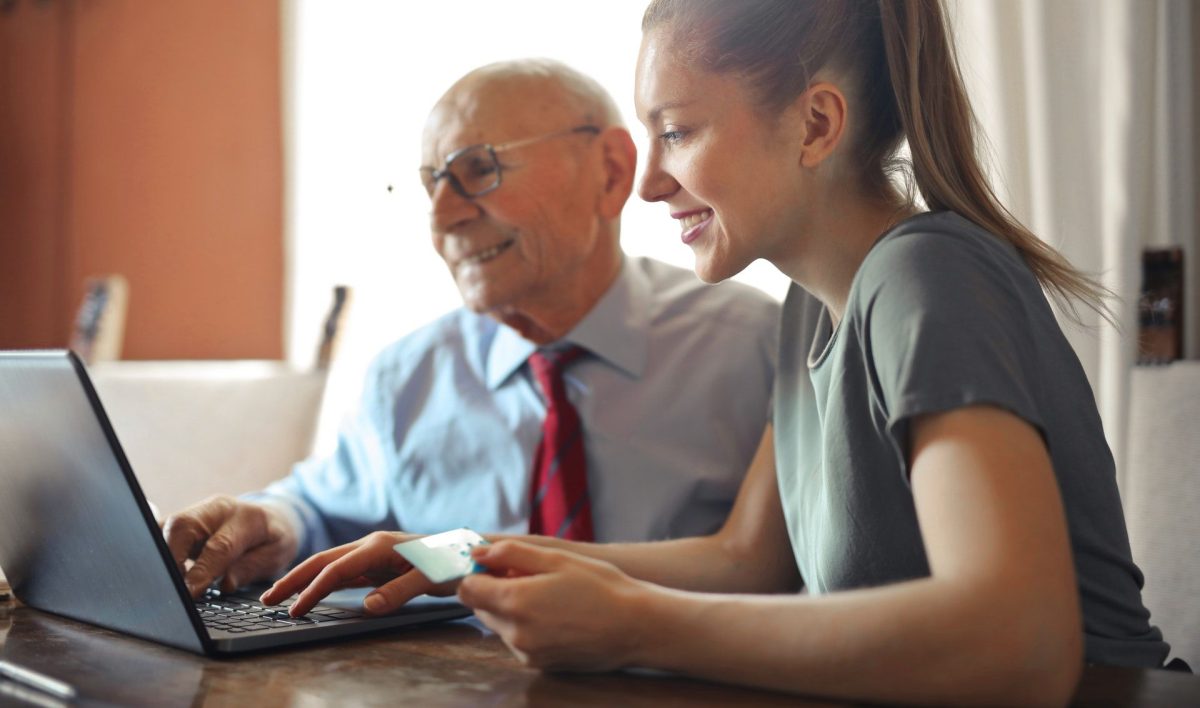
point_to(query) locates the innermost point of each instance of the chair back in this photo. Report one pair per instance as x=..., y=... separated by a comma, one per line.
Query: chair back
x=192, y=429
x=1160, y=492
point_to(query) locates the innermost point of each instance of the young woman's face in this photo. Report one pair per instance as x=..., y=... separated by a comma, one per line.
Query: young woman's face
x=728, y=174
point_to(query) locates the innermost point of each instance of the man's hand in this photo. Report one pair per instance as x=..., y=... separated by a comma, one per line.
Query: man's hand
x=237, y=541
x=369, y=561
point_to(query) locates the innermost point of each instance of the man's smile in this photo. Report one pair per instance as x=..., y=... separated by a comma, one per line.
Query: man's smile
x=487, y=254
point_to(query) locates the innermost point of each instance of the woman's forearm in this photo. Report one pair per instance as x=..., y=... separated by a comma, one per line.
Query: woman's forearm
x=921, y=641
x=751, y=553
x=701, y=564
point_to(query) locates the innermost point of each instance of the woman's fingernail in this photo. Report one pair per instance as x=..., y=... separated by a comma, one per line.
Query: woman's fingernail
x=374, y=602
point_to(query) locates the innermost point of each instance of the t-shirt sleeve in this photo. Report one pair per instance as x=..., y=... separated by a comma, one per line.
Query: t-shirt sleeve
x=943, y=326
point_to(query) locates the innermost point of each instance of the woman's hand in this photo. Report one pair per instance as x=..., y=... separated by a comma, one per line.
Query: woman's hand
x=369, y=561
x=555, y=609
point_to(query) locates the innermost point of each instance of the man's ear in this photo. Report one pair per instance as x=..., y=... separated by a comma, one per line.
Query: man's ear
x=620, y=161
x=822, y=115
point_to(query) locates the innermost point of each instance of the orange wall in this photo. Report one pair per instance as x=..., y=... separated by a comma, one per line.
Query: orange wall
x=170, y=173
x=32, y=267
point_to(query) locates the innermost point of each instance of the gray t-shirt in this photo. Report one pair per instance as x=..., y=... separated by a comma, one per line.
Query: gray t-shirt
x=941, y=315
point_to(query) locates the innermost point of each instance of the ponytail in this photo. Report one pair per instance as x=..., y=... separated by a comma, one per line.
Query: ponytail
x=940, y=127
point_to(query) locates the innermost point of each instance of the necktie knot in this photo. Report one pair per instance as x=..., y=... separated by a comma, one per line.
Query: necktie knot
x=548, y=366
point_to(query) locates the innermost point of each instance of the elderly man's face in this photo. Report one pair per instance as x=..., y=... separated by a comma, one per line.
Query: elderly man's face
x=528, y=243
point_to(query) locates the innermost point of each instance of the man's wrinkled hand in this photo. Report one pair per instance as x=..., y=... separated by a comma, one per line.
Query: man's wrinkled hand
x=234, y=540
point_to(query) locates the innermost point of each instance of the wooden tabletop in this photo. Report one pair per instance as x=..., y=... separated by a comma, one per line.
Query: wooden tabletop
x=451, y=664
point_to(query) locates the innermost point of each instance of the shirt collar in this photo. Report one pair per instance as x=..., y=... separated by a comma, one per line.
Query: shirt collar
x=615, y=330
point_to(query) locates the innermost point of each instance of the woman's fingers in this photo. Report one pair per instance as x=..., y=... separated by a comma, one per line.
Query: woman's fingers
x=393, y=594
x=372, y=558
x=302, y=575
x=514, y=558
x=503, y=629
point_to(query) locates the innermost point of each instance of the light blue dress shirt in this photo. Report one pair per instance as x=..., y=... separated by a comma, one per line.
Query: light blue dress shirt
x=673, y=395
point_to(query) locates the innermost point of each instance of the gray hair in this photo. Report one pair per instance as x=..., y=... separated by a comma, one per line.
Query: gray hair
x=588, y=96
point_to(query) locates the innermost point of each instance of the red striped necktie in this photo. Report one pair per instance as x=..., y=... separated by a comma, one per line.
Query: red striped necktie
x=559, y=501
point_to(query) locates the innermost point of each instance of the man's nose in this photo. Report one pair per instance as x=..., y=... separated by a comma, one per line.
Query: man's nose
x=448, y=207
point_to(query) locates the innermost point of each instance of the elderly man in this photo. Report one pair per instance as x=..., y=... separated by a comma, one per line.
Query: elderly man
x=579, y=393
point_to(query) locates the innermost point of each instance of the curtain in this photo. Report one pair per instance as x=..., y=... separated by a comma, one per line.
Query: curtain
x=1088, y=107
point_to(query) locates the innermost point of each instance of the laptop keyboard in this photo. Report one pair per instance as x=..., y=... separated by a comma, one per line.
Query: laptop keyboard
x=237, y=614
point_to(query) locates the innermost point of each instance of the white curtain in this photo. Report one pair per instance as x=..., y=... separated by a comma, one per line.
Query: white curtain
x=1088, y=107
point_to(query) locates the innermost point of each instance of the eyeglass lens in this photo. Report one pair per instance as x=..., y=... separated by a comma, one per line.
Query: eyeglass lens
x=472, y=171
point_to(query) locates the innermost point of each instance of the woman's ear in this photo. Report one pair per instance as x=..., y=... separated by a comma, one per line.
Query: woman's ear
x=822, y=115
x=620, y=162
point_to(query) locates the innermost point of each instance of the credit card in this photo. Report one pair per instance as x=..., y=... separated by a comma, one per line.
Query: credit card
x=443, y=556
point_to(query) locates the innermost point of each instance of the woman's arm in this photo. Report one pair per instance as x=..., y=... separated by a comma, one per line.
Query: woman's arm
x=997, y=622
x=751, y=553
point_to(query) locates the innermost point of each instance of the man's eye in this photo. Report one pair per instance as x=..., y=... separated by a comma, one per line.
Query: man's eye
x=479, y=168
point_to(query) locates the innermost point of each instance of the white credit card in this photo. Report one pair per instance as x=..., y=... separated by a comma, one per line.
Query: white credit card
x=443, y=556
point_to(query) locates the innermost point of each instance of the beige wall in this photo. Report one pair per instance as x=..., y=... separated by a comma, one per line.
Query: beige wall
x=1192, y=319
x=148, y=144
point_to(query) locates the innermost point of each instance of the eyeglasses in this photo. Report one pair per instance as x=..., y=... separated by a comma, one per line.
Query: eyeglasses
x=474, y=170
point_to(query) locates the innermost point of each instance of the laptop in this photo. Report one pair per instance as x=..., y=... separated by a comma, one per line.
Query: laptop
x=78, y=539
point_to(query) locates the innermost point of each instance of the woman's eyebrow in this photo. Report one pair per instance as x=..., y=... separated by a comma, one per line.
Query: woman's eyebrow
x=656, y=112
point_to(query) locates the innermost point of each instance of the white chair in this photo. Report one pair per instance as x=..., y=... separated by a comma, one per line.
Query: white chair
x=1161, y=494
x=193, y=429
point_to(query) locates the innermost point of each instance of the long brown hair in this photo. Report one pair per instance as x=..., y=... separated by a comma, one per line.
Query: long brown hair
x=897, y=59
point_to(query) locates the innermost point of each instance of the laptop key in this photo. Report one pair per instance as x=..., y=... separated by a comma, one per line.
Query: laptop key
x=340, y=614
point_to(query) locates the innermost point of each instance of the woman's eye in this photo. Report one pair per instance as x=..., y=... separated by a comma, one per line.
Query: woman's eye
x=671, y=136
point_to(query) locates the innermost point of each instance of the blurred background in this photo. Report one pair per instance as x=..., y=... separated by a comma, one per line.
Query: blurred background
x=230, y=159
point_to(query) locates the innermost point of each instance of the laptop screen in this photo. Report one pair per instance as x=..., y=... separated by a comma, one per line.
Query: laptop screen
x=76, y=535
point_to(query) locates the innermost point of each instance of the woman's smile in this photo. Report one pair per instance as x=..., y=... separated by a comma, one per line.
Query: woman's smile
x=693, y=223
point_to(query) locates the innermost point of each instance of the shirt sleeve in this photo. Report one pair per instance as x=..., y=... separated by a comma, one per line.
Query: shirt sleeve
x=342, y=497
x=944, y=326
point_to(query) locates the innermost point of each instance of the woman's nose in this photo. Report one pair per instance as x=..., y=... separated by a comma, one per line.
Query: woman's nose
x=656, y=184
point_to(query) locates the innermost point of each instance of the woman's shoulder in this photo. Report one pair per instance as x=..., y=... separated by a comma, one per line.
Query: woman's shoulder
x=941, y=270
x=937, y=254
x=919, y=242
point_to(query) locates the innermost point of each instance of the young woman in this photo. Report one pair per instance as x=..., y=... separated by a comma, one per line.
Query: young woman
x=936, y=477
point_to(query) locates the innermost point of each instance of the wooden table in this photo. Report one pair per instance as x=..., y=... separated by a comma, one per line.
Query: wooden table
x=453, y=664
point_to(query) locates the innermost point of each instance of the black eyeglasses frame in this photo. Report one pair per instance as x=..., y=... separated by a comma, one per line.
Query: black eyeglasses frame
x=430, y=176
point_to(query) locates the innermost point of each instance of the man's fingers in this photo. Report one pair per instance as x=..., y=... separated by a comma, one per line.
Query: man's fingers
x=185, y=535
x=181, y=536
x=186, y=531
x=254, y=565
x=220, y=550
